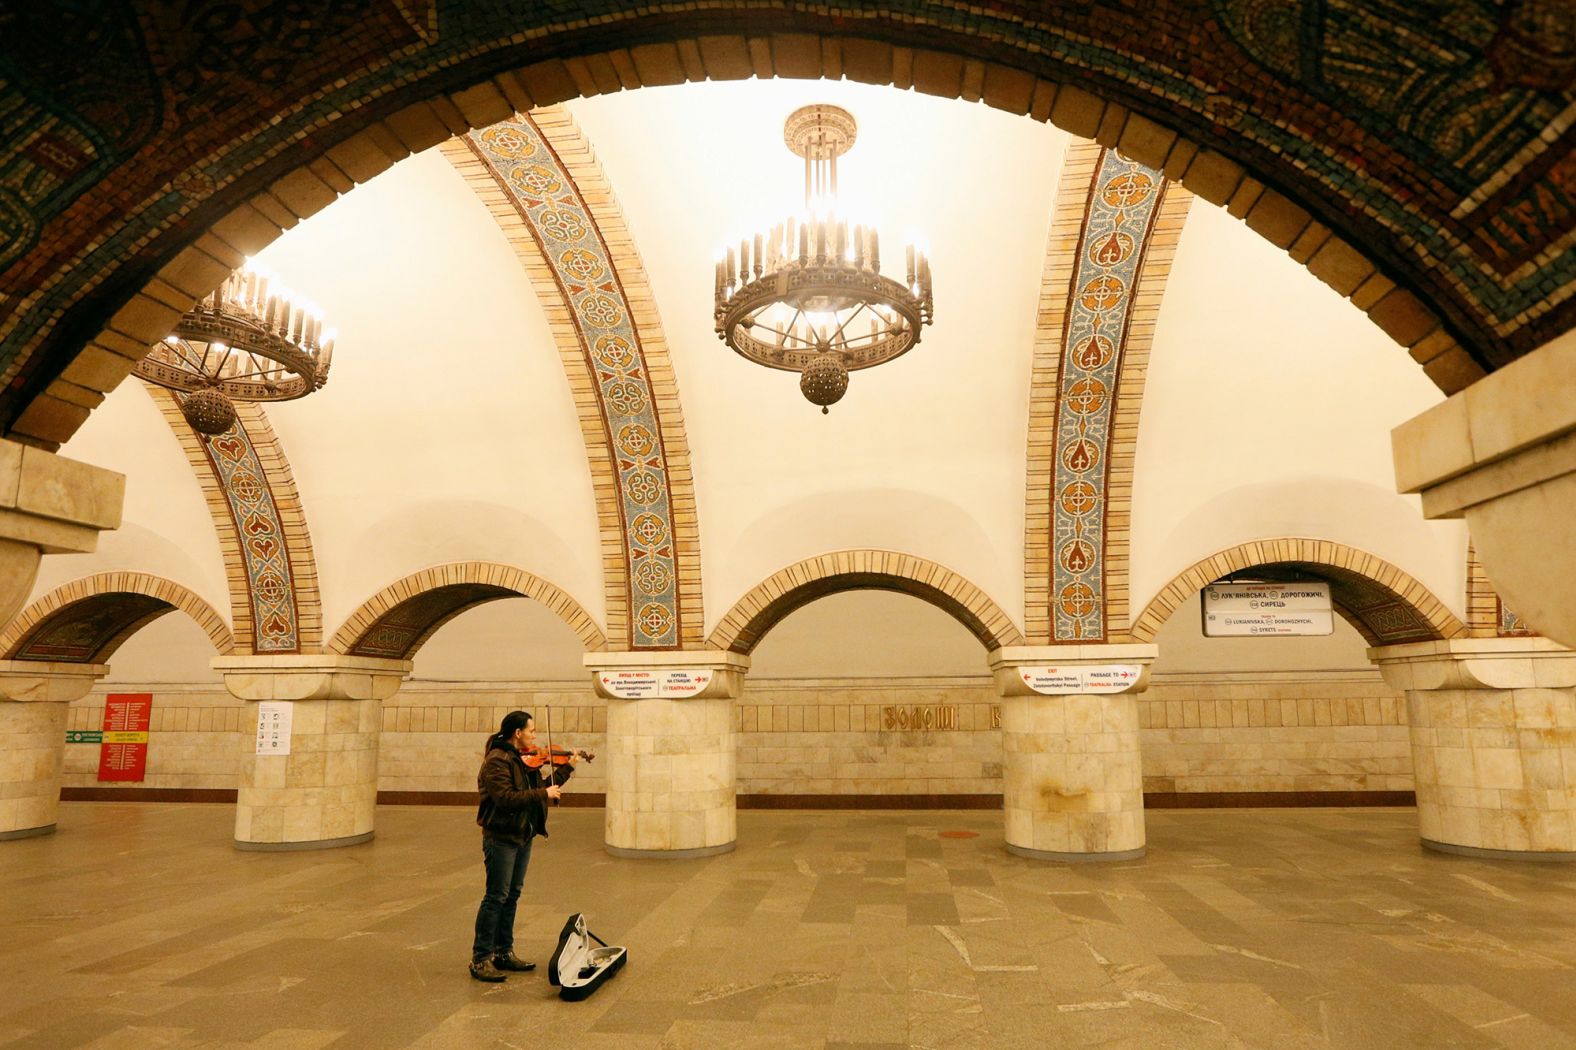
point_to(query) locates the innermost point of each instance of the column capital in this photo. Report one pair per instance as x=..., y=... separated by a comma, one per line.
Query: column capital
x=48, y=505
x=1065, y=670
x=55, y=504
x=1502, y=454
x=34, y=681
x=670, y=675
x=311, y=676
x=1477, y=663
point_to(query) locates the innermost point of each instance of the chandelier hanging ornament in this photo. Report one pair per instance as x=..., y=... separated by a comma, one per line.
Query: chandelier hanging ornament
x=808, y=295
x=248, y=340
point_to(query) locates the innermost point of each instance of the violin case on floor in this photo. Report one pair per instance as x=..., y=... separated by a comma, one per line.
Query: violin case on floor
x=577, y=968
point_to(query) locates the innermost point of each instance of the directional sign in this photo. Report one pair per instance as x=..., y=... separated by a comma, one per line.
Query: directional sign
x=1078, y=680
x=630, y=685
x=643, y=685
x=1238, y=610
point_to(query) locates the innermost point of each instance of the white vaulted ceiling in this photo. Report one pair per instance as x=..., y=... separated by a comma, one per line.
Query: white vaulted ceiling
x=448, y=431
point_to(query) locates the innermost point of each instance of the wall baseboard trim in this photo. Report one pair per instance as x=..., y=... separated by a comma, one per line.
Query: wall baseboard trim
x=573, y=800
x=596, y=799
x=1274, y=799
x=102, y=794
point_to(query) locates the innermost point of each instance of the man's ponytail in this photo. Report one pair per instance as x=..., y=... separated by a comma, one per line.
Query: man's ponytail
x=512, y=723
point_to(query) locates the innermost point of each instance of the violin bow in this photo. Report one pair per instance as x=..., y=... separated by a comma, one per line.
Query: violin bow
x=552, y=774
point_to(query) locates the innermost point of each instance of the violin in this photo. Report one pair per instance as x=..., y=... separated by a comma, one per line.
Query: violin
x=537, y=757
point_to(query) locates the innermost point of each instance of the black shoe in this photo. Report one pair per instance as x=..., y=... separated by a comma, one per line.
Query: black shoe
x=484, y=970
x=510, y=962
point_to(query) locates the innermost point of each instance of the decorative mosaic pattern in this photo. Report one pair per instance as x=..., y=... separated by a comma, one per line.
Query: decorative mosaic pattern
x=1439, y=137
x=270, y=582
x=399, y=632
x=546, y=196
x=1123, y=201
x=1510, y=625
x=88, y=631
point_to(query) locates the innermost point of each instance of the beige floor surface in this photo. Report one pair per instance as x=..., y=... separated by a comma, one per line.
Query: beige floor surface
x=139, y=926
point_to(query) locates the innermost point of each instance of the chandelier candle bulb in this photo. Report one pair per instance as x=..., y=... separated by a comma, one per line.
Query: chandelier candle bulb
x=800, y=284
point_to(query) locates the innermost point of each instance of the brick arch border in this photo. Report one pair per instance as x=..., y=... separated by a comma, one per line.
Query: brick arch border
x=54, y=413
x=1101, y=530
x=1431, y=614
x=799, y=584
x=90, y=588
x=277, y=511
x=471, y=583
x=613, y=471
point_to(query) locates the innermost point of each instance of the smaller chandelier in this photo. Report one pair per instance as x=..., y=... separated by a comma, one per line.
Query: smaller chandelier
x=808, y=295
x=245, y=341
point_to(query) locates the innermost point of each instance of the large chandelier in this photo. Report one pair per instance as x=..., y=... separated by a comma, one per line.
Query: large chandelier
x=808, y=295
x=249, y=340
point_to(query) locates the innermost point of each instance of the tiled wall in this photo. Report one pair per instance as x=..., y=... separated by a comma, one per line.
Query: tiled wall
x=1264, y=731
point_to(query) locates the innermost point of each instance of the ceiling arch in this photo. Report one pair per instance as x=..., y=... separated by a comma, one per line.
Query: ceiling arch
x=1418, y=180
x=1384, y=604
x=803, y=582
x=395, y=622
x=86, y=620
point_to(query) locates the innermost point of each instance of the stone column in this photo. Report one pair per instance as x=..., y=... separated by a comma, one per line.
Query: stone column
x=34, y=698
x=48, y=505
x=1502, y=454
x=1493, y=726
x=1072, y=783
x=671, y=746
x=324, y=792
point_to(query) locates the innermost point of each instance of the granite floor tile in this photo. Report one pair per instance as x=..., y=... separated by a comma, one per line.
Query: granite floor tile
x=140, y=927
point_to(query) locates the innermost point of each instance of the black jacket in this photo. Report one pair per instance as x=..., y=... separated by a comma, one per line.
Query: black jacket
x=513, y=796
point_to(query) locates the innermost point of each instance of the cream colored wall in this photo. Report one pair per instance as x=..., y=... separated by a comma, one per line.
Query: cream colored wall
x=167, y=530
x=924, y=455
x=1269, y=408
x=446, y=431
x=820, y=709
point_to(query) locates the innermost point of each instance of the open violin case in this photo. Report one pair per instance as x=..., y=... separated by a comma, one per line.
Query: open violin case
x=577, y=968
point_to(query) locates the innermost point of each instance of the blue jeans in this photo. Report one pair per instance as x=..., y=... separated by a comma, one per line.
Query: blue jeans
x=495, y=918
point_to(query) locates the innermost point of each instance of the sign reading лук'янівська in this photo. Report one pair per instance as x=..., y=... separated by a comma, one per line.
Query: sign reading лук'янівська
x=1240, y=610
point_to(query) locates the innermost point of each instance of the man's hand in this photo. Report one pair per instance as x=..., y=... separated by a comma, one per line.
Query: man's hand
x=555, y=792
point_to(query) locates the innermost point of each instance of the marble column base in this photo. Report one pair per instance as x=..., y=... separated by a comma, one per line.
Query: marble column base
x=1072, y=781
x=34, y=700
x=1496, y=854
x=671, y=775
x=278, y=847
x=1493, y=729
x=671, y=778
x=323, y=793
x=1076, y=858
x=671, y=854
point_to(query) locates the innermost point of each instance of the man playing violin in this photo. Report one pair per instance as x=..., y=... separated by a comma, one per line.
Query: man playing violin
x=513, y=811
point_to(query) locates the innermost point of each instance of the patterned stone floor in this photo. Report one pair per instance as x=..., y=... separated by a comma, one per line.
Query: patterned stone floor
x=139, y=926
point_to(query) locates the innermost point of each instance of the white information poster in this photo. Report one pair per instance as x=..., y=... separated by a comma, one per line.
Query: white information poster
x=1069, y=681
x=273, y=727
x=1241, y=610
x=666, y=685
